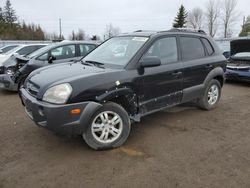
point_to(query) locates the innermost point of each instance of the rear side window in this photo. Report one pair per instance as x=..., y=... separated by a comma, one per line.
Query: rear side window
x=192, y=48
x=86, y=48
x=210, y=49
x=165, y=49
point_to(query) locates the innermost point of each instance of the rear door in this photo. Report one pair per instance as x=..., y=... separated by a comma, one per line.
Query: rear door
x=196, y=64
x=162, y=85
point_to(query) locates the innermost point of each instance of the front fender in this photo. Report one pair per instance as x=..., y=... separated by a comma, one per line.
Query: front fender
x=87, y=114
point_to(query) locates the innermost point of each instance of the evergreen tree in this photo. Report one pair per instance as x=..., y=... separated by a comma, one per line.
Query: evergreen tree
x=2, y=20
x=10, y=29
x=245, y=28
x=9, y=13
x=181, y=18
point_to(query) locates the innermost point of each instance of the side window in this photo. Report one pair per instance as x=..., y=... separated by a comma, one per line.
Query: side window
x=64, y=52
x=26, y=50
x=191, y=48
x=86, y=48
x=165, y=49
x=210, y=49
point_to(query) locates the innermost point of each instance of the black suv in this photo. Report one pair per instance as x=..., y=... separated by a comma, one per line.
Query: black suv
x=122, y=80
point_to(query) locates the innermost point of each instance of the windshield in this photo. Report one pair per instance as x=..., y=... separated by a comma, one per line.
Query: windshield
x=242, y=54
x=38, y=52
x=14, y=50
x=117, y=51
x=8, y=48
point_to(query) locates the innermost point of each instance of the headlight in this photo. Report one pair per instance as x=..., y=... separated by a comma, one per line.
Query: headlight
x=58, y=94
x=9, y=71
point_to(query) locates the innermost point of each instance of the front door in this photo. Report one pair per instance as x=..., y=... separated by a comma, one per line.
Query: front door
x=162, y=85
x=64, y=53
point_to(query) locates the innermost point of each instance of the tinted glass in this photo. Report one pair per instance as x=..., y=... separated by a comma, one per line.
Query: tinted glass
x=86, y=48
x=191, y=48
x=208, y=46
x=165, y=49
x=64, y=52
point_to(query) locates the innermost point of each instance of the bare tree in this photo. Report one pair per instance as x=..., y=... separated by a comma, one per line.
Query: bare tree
x=195, y=18
x=53, y=36
x=229, y=16
x=80, y=35
x=111, y=31
x=212, y=14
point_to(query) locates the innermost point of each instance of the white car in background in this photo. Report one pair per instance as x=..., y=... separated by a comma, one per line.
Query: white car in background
x=7, y=48
x=20, y=50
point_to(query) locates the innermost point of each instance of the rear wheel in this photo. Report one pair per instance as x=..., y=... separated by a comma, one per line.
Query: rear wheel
x=108, y=128
x=211, y=95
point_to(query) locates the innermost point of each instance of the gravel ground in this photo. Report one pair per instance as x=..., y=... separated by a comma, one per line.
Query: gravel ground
x=180, y=147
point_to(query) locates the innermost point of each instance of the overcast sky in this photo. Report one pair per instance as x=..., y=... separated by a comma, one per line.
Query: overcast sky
x=93, y=16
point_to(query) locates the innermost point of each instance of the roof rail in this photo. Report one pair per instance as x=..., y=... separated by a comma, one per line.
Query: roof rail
x=187, y=30
x=138, y=31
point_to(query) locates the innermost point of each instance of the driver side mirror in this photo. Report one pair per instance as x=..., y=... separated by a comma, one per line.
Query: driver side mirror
x=51, y=59
x=1, y=51
x=150, y=61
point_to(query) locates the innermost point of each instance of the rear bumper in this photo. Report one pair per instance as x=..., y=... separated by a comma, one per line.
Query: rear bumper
x=57, y=118
x=7, y=83
x=238, y=75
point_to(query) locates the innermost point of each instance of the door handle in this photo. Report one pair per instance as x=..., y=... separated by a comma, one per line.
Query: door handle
x=177, y=73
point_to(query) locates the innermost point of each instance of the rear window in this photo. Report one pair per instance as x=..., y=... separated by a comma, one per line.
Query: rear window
x=210, y=49
x=192, y=48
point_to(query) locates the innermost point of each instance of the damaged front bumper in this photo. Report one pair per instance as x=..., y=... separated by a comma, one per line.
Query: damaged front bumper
x=7, y=83
x=58, y=118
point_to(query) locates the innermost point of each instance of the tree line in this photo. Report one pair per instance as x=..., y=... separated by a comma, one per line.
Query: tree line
x=218, y=15
x=11, y=28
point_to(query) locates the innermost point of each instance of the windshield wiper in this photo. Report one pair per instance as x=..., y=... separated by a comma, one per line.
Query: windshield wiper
x=95, y=63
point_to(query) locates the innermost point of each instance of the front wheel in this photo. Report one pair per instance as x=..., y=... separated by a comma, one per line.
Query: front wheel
x=108, y=128
x=211, y=95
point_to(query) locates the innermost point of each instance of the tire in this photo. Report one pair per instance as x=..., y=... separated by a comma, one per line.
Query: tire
x=206, y=103
x=103, y=131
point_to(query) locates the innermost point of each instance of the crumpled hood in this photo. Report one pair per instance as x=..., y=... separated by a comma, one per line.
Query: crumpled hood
x=241, y=45
x=12, y=61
